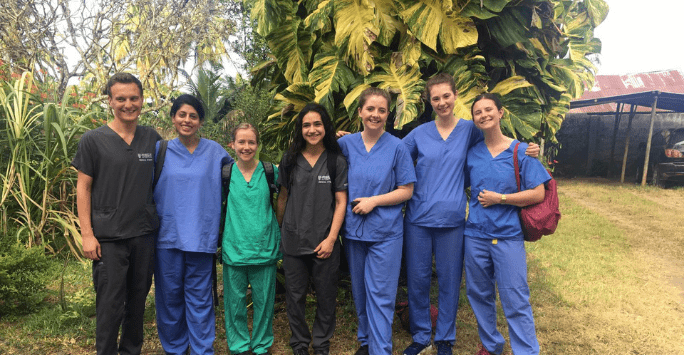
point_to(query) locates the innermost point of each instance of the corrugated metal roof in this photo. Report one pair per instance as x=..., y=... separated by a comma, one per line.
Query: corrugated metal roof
x=671, y=81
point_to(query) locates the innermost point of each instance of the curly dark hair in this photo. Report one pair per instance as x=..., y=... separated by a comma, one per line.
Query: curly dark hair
x=298, y=142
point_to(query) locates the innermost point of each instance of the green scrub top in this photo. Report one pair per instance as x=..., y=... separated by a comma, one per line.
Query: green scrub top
x=251, y=235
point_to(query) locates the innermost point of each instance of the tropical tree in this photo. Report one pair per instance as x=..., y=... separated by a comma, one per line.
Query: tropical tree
x=155, y=39
x=534, y=53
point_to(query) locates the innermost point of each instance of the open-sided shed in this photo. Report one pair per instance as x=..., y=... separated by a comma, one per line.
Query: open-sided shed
x=658, y=101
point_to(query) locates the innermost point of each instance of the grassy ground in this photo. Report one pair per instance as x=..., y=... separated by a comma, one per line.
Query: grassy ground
x=610, y=281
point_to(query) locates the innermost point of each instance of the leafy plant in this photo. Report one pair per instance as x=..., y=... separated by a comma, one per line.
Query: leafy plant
x=24, y=274
x=37, y=181
x=534, y=53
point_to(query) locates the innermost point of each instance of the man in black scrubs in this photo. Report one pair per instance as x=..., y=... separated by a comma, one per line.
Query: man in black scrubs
x=117, y=215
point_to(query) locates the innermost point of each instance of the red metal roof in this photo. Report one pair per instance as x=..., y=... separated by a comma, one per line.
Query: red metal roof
x=614, y=85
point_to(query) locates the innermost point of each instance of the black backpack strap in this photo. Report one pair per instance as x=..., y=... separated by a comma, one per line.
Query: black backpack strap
x=270, y=179
x=226, y=170
x=159, y=165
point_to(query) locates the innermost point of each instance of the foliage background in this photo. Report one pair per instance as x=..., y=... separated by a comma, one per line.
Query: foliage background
x=534, y=53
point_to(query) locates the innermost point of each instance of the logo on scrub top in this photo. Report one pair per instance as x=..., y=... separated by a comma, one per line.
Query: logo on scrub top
x=324, y=179
x=145, y=157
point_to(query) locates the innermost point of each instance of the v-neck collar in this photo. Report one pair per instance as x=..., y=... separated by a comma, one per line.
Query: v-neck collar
x=302, y=162
x=501, y=152
x=135, y=135
x=435, y=131
x=184, y=150
x=373, y=149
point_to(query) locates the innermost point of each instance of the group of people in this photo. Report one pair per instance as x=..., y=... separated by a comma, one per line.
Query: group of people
x=134, y=224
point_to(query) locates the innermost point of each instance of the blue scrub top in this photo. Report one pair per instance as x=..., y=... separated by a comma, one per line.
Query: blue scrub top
x=439, y=198
x=497, y=174
x=387, y=166
x=188, y=196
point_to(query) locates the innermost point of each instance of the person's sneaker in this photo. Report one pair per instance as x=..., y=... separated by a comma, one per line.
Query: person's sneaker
x=483, y=351
x=363, y=350
x=301, y=351
x=443, y=348
x=416, y=349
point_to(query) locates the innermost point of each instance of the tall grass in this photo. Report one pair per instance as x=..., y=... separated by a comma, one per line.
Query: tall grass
x=37, y=200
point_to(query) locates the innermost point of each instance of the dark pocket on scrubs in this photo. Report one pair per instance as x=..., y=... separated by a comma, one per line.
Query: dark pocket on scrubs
x=104, y=224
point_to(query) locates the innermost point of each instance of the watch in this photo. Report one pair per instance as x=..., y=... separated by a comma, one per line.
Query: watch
x=503, y=198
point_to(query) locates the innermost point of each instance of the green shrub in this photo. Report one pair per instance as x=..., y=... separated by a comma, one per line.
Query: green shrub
x=24, y=274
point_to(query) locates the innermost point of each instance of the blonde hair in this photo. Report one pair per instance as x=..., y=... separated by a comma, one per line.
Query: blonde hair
x=245, y=125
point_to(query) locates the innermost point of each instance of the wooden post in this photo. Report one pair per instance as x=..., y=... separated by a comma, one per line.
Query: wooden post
x=632, y=113
x=618, y=113
x=650, y=134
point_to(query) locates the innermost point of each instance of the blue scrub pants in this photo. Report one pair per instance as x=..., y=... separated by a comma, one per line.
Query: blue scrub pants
x=447, y=246
x=236, y=279
x=502, y=261
x=185, y=310
x=374, y=268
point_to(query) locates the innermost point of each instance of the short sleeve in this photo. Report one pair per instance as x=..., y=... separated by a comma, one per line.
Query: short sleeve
x=403, y=166
x=410, y=143
x=476, y=136
x=532, y=171
x=341, y=174
x=84, y=160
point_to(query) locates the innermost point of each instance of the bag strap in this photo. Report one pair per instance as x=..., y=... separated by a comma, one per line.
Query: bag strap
x=270, y=179
x=161, y=156
x=515, y=165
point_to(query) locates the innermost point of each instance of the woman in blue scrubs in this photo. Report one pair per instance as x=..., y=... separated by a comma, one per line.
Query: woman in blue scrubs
x=188, y=198
x=435, y=216
x=381, y=177
x=494, y=245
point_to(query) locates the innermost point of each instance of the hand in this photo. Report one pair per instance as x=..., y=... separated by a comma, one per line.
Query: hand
x=364, y=206
x=488, y=198
x=341, y=134
x=324, y=249
x=532, y=150
x=91, y=247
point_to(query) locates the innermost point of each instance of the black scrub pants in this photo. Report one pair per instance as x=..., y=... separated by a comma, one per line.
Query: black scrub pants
x=122, y=279
x=324, y=273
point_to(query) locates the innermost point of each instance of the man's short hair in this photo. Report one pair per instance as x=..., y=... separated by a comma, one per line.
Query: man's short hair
x=123, y=78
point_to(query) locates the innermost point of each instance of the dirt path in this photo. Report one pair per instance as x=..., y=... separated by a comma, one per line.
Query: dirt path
x=652, y=218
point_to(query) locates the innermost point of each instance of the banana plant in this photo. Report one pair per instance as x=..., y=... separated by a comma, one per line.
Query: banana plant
x=536, y=54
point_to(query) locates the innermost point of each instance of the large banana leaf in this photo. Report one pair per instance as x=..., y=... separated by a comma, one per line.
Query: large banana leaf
x=269, y=14
x=388, y=22
x=597, y=11
x=406, y=82
x=430, y=20
x=522, y=107
x=471, y=79
x=329, y=74
x=291, y=44
x=356, y=30
x=319, y=19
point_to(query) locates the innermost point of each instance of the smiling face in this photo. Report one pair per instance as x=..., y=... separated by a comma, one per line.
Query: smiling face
x=486, y=115
x=186, y=121
x=245, y=144
x=374, y=113
x=126, y=101
x=313, y=130
x=442, y=99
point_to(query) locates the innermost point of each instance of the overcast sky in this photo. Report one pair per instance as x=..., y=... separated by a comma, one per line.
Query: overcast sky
x=642, y=36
